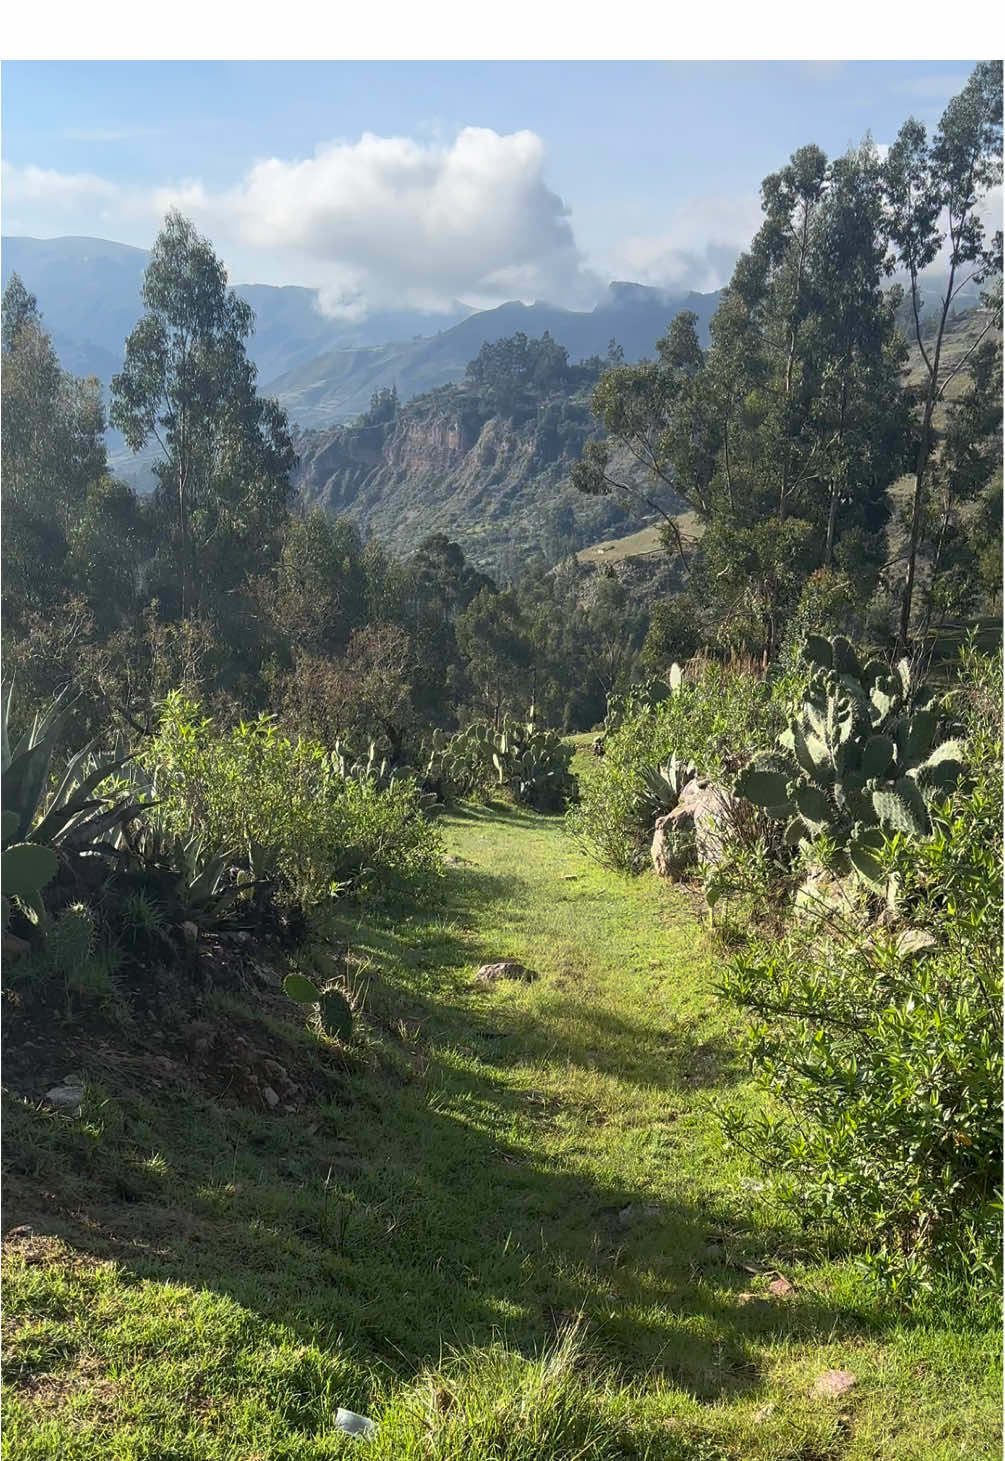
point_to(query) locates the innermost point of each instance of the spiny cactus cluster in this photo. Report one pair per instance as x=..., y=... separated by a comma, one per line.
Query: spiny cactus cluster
x=533, y=763
x=374, y=768
x=867, y=751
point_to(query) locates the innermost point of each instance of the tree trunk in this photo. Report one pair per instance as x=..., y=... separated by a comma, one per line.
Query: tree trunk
x=924, y=452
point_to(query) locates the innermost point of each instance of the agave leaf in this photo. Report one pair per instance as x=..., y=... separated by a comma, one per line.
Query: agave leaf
x=62, y=813
x=22, y=785
x=8, y=824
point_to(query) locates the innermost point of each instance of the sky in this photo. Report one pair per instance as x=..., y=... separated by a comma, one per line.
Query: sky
x=419, y=183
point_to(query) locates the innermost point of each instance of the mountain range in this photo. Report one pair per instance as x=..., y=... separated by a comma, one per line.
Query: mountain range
x=322, y=370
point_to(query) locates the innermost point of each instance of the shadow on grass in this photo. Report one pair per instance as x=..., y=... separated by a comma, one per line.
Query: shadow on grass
x=415, y=1210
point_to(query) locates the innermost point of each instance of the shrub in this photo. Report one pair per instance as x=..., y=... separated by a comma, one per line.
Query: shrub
x=715, y=718
x=253, y=787
x=884, y=1051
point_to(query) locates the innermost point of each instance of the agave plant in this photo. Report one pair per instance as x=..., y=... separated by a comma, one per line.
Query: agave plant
x=661, y=787
x=868, y=751
x=73, y=818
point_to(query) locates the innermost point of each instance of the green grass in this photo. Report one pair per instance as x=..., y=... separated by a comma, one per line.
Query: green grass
x=646, y=543
x=444, y=1245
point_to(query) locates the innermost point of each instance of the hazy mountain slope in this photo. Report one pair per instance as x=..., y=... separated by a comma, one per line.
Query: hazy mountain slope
x=322, y=370
x=336, y=387
x=88, y=290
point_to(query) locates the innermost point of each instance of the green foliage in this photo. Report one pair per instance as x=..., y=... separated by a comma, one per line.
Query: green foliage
x=936, y=190
x=253, y=785
x=52, y=451
x=885, y=1055
x=186, y=382
x=868, y=748
x=717, y=715
x=69, y=819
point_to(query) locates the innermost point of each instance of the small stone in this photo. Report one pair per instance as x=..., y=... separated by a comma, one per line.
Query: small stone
x=780, y=1287
x=19, y=1234
x=832, y=1383
x=270, y=1096
x=506, y=969
x=914, y=941
x=66, y=1098
x=636, y=1210
x=763, y=1414
x=191, y=932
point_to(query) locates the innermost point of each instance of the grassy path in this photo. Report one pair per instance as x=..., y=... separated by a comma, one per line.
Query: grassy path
x=498, y=1168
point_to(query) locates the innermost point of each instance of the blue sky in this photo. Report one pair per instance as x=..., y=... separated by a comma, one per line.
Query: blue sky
x=387, y=182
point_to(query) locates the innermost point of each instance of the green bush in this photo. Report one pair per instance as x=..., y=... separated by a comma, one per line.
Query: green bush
x=715, y=718
x=253, y=787
x=884, y=1052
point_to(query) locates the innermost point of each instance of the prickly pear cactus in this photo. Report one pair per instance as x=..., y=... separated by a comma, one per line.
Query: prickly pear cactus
x=867, y=750
x=532, y=763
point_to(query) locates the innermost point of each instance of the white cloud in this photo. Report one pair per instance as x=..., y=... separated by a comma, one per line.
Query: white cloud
x=697, y=251
x=377, y=221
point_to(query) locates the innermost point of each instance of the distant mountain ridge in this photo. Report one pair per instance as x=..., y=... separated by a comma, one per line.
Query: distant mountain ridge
x=322, y=370
x=88, y=291
x=336, y=387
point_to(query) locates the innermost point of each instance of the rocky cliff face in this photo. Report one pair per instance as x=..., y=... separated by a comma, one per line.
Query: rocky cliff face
x=446, y=463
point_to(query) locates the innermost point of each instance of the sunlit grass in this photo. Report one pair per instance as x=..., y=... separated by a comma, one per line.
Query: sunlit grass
x=513, y=1232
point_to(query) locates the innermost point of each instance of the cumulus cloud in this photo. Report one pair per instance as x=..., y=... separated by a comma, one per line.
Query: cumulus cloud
x=697, y=251
x=370, y=222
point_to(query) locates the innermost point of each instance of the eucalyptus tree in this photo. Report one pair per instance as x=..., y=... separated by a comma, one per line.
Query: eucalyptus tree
x=934, y=194
x=187, y=385
x=52, y=449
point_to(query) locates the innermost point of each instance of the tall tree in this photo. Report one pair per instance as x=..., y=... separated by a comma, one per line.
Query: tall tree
x=186, y=383
x=52, y=451
x=934, y=191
